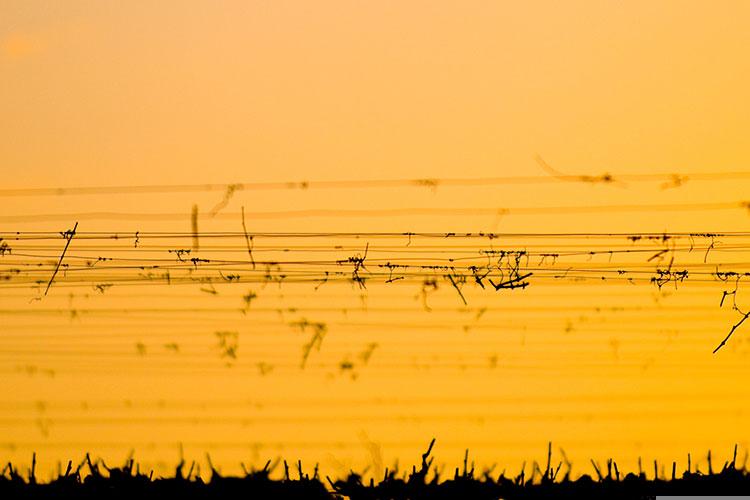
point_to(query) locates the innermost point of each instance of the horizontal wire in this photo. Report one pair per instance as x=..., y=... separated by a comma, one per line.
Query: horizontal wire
x=262, y=403
x=431, y=183
x=155, y=420
x=633, y=236
x=385, y=212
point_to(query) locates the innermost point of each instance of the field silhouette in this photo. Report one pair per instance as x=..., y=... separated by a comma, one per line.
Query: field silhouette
x=94, y=479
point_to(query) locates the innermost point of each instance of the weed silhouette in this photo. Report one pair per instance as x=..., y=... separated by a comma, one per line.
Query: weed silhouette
x=94, y=479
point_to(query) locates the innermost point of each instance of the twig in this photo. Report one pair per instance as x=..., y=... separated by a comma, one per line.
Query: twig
x=605, y=178
x=705, y=257
x=737, y=325
x=453, y=282
x=248, y=239
x=231, y=188
x=596, y=468
x=517, y=282
x=68, y=236
x=194, y=225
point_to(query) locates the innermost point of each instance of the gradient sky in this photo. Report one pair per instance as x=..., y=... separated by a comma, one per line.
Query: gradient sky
x=136, y=93
x=111, y=92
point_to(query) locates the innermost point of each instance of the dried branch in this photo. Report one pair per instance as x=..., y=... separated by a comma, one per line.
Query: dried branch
x=248, y=239
x=516, y=282
x=604, y=178
x=68, y=235
x=194, y=226
x=737, y=325
x=231, y=188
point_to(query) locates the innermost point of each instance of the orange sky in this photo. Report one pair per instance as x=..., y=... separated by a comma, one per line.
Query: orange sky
x=110, y=93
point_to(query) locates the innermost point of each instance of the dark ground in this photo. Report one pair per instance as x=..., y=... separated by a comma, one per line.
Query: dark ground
x=93, y=479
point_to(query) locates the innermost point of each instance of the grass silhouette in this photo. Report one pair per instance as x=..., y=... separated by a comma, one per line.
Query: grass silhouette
x=93, y=479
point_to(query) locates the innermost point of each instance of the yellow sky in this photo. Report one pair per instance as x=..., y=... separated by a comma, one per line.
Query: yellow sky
x=133, y=93
x=111, y=92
